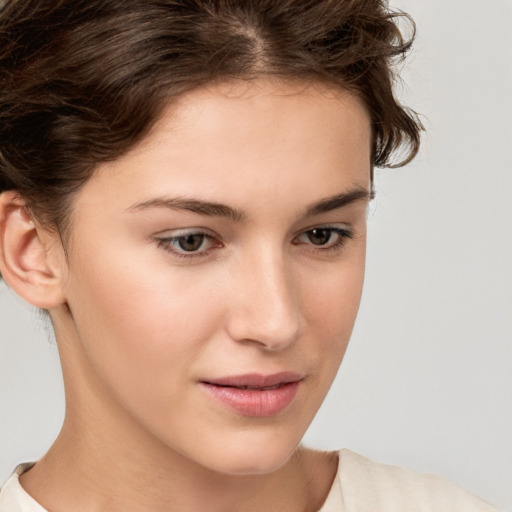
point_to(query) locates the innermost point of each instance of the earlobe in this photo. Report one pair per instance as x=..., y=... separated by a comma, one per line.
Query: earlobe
x=27, y=262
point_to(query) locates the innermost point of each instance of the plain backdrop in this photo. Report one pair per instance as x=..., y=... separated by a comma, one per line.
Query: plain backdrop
x=427, y=380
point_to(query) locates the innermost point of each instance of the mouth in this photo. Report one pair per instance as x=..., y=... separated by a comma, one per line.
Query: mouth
x=255, y=395
x=255, y=388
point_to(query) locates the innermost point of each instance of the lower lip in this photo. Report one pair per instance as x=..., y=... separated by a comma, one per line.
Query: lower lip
x=254, y=402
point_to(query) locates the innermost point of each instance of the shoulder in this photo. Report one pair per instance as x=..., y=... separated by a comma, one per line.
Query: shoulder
x=13, y=498
x=367, y=485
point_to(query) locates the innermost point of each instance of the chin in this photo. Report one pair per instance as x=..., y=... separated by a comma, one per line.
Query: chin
x=258, y=462
x=248, y=457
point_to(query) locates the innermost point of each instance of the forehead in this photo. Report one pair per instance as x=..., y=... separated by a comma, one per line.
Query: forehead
x=261, y=141
x=271, y=104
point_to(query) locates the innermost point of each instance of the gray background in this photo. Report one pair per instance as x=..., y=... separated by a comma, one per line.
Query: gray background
x=427, y=380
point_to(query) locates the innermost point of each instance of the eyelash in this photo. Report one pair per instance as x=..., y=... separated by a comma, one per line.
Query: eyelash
x=168, y=243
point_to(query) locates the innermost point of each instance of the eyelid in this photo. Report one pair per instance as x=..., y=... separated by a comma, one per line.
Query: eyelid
x=195, y=230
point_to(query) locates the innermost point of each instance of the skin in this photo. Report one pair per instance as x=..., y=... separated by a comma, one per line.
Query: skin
x=139, y=323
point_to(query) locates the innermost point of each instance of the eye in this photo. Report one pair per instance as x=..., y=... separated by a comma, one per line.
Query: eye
x=188, y=244
x=191, y=243
x=325, y=237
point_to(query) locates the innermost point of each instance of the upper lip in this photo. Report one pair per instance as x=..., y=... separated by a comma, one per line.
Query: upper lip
x=256, y=380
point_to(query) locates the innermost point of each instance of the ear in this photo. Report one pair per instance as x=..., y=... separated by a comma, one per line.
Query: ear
x=30, y=256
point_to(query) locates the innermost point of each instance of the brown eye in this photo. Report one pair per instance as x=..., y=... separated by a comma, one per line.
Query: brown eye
x=324, y=238
x=193, y=243
x=190, y=243
x=319, y=236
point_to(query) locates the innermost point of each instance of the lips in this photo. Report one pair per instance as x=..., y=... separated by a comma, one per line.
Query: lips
x=253, y=394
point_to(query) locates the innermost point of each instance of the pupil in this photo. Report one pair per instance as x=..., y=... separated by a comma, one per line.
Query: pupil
x=320, y=236
x=190, y=242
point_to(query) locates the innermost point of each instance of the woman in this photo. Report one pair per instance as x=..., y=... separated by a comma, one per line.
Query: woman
x=184, y=191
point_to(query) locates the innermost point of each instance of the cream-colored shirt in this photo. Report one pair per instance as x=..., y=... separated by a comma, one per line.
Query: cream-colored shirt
x=361, y=485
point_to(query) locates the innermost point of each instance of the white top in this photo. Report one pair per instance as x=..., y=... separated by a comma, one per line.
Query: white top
x=361, y=485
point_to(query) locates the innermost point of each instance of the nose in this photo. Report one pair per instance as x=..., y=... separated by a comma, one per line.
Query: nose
x=265, y=305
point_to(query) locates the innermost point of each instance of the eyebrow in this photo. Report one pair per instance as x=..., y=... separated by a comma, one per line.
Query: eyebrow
x=340, y=200
x=221, y=210
x=191, y=205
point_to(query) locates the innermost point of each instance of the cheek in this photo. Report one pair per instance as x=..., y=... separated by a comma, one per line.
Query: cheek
x=331, y=303
x=332, y=299
x=140, y=328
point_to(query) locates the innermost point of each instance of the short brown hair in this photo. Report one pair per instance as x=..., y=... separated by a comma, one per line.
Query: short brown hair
x=81, y=81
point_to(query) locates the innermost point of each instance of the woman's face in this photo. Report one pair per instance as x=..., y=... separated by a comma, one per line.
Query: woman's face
x=215, y=272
